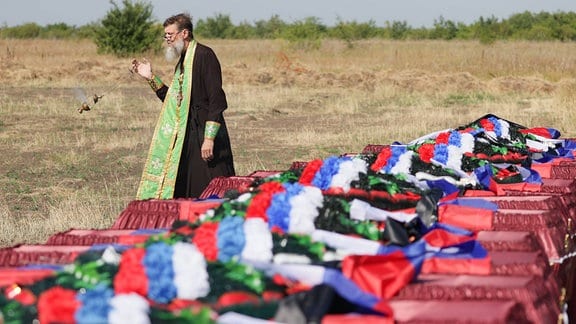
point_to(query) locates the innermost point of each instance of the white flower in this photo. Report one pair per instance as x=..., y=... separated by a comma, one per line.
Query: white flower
x=190, y=275
x=348, y=171
x=304, y=210
x=259, y=243
x=467, y=143
x=505, y=127
x=454, y=158
x=403, y=164
x=129, y=308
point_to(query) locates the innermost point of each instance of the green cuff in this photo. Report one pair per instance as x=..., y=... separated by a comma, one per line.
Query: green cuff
x=155, y=83
x=211, y=129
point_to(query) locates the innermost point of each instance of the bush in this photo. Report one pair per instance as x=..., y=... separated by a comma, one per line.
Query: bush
x=218, y=27
x=269, y=29
x=29, y=30
x=399, y=30
x=351, y=31
x=128, y=30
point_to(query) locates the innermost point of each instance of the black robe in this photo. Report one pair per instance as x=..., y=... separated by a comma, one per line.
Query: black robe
x=208, y=102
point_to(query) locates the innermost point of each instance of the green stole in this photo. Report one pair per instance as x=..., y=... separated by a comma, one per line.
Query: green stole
x=161, y=168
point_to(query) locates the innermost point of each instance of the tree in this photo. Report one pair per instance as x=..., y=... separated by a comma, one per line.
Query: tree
x=486, y=30
x=444, y=29
x=128, y=30
x=399, y=30
x=270, y=28
x=305, y=34
x=220, y=26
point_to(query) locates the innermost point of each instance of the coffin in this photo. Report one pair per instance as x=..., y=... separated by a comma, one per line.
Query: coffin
x=155, y=213
x=540, y=298
x=218, y=187
x=458, y=312
x=91, y=237
x=22, y=255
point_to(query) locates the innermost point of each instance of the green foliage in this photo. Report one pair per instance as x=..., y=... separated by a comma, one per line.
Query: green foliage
x=305, y=34
x=399, y=30
x=309, y=28
x=87, y=31
x=32, y=30
x=444, y=29
x=351, y=31
x=270, y=28
x=128, y=30
x=243, y=31
x=486, y=30
x=60, y=30
x=29, y=30
x=218, y=27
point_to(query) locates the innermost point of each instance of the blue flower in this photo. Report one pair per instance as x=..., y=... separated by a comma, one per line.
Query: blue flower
x=497, y=126
x=455, y=139
x=441, y=153
x=279, y=211
x=397, y=151
x=292, y=189
x=95, y=305
x=328, y=169
x=160, y=272
x=231, y=239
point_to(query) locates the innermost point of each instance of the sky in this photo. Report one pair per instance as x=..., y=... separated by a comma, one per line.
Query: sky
x=417, y=13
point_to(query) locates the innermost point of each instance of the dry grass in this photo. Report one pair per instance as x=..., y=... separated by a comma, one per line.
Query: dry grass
x=64, y=170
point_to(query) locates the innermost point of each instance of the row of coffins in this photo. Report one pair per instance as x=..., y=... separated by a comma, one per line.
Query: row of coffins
x=466, y=225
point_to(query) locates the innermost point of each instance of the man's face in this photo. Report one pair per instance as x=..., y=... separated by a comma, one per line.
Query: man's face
x=172, y=34
x=174, y=41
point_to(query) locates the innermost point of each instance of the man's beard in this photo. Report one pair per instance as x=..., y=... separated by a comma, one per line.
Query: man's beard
x=174, y=51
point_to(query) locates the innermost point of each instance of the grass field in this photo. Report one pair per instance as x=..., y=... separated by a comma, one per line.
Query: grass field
x=61, y=169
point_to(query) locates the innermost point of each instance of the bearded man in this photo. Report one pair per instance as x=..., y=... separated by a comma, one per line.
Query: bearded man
x=191, y=145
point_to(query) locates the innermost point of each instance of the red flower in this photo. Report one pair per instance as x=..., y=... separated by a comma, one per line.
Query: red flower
x=261, y=201
x=310, y=171
x=486, y=124
x=57, y=305
x=131, y=276
x=443, y=138
x=381, y=159
x=271, y=186
x=426, y=152
x=205, y=239
x=258, y=206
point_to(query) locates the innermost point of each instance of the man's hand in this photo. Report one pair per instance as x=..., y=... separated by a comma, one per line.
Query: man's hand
x=143, y=68
x=207, y=149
